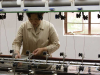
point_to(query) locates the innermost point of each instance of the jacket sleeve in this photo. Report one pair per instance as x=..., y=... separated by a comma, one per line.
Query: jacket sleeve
x=54, y=41
x=16, y=45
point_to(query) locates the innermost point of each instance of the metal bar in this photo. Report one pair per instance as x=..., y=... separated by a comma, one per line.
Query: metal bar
x=49, y=9
x=67, y=59
x=52, y=63
x=52, y=59
x=38, y=3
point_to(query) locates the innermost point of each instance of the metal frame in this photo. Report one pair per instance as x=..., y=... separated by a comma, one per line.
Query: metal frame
x=51, y=9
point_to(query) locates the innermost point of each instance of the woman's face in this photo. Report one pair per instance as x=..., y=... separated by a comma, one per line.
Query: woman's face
x=34, y=20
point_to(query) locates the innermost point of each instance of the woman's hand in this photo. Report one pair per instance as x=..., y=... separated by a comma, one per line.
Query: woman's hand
x=17, y=55
x=39, y=51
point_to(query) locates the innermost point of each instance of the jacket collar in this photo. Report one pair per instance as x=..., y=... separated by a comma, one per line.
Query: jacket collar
x=30, y=26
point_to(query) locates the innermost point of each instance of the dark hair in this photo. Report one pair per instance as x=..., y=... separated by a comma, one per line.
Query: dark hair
x=39, y=15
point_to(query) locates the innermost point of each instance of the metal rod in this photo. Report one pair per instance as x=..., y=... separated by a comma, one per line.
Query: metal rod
x=49, y=9
x=38, y=3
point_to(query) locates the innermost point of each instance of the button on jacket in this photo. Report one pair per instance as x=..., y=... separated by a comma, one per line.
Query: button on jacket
x=44, y=36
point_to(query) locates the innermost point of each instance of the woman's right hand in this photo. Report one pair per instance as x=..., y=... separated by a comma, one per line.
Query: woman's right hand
x=18, y=56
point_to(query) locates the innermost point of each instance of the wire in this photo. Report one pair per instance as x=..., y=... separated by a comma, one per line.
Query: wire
x=27, y=42
x=6, y=36
x=74, y=46
x=84, y=43
x=16, y=26
x=0, y=36
x=66, y=46
x=74, y=42
x=84, y=46
x=49, y=18
x=15, y=31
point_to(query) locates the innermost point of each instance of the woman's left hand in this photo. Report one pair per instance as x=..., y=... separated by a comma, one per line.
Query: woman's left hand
x=38, y=51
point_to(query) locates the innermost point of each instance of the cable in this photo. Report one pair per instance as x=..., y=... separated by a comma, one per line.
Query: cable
x=84, y=46
x=0, y=36
x=16, y=31
x=66, y=46
x=74, y=46
x=74, y=42
x=49, y=18
x=27, y=42
x=84, y=43
x=16, y=26
x=6, y=36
